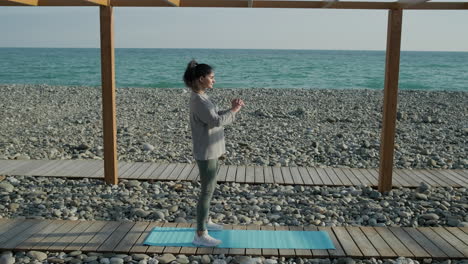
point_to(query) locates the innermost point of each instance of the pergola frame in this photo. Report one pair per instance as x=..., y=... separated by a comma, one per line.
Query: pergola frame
x=392, y=63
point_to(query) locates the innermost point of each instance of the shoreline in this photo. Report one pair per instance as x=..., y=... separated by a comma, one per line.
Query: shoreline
x=278, y=127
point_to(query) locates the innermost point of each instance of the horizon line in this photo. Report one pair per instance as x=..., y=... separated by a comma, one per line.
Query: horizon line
x=235, y=49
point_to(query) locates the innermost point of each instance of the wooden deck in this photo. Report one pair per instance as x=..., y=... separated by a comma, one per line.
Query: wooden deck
x=240, y=174
x=128, y=237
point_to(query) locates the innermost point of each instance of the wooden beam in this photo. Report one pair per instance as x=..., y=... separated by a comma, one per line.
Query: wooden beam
x=143, y=3
x=23, y=2
x=108, y=95
x=245, y=4
x=174, y=2
x=392, y=68
x=99, y=2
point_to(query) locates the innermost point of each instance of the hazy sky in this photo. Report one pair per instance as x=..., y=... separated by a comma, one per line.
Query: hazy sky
x=242, y=28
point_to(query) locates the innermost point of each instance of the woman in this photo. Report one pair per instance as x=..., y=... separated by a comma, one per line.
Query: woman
x=207, y=124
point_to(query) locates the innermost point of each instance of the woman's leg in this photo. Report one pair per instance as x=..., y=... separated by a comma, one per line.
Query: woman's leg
x=208, y=170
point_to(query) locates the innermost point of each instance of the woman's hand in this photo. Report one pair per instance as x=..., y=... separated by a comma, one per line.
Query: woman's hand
x=237, y=104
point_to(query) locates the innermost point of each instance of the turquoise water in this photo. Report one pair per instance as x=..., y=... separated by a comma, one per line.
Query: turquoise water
x=163, y=68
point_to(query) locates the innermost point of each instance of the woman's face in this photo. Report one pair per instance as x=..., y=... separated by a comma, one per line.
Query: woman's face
x=207, y=81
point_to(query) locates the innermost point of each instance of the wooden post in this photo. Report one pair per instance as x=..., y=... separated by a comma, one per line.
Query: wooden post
x=108, y=95
x=392, y=68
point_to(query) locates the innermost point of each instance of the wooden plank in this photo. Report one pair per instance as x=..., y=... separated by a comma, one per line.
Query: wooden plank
x=194, y=174
x=360, y=180
x=116, y=236
x=29, y=243
x=237, y=251
x=315, y=176
x=245, y=4
x=347, y=242
x=351, y=178
x=72, y=169
x=323, y=175
x=338, y=251
x=99, y=173
x=45, y=167
x=156, y=249
x=101, y=236
x=306, y=178
x=364, y=245
x=185, y=172
x=458, y=181
x=422, y=178
x=55, y=235
x=147, y=173
x=231, y=173
x=288, y=179
x=448, y=249
x=14, y=165
x=157, y=172
x=222, y=173
x=444, y=180
x=269, y=251
x=415, y=180
x=405, y=182
x=25, y=234
x=362, y=177
x=317, y=253
x=137, y=173
x=188, y=250
x=307, y=253
x=127, y=242
x=165, y=174
x=393, y=241
x=124, y=167
x=296, y=176
x=259, y=176
x=462, y=173
x=463, y=180
x=457, y=232
x=277, y=175
x=61, y=169
x=343, y=178
x=68, y=238
x=6, y=224
x=139, y=247
x=131, y=170
x=19, y=227
x=176, y=172
x=378, y=242
x=26, y=167
x=374, y=178
x=428, y=246
x=219, y=251
x=268, y=172
x=253, y=251
x=84, y=238
x=287, y=253
x=453, y=240
x=333, y=177
x=171, y=250
x=89, y=168
x=409, y=242
x=249, y=174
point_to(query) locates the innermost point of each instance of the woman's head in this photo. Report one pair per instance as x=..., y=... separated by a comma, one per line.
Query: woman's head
x=199, y=77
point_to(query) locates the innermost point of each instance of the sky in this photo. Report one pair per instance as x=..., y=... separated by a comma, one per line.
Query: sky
x=232, y=28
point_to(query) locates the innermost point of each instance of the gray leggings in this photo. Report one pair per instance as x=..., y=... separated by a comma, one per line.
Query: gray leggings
x=208, y=170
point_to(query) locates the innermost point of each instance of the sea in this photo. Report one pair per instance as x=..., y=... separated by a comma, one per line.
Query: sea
x=236, y=68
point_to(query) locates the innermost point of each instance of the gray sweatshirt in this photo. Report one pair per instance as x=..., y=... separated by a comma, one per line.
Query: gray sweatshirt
x=207, y=124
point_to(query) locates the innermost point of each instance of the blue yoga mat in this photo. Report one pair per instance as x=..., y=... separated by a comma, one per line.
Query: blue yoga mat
x=182, y=237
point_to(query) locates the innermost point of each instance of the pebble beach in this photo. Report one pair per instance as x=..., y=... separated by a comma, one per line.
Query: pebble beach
x=278, y=127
